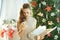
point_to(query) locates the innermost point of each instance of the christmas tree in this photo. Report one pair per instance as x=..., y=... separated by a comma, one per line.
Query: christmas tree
x=45, y=12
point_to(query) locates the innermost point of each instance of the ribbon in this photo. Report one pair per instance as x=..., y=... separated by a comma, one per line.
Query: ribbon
x=2, y=32
x=10, y=33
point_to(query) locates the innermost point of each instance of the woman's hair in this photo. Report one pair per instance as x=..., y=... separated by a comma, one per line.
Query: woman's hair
x=26, y=6
x=22, y=18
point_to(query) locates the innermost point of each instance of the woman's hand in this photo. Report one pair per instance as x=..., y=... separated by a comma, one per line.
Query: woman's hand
x=21, y=29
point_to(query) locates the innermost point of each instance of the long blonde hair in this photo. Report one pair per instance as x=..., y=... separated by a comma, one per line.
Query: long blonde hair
x=22, y=18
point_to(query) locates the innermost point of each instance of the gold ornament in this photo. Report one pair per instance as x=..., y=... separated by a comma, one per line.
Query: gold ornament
x=50, y=22
x=40, y=14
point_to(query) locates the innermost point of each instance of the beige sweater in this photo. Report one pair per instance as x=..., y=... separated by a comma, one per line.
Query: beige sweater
x=27, y=27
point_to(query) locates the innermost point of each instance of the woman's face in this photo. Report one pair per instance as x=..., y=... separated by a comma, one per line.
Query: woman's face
x=27, y=12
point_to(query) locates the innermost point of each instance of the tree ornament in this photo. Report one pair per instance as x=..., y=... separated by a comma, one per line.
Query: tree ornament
x=52, y=14
x=43, y=20
x=48, y=8
x=39, y=4
x=40, y=14
x=44, y=3
x=2, y=32
x=54, y=5
x=10, y=33
x=50, y=22
x=57, y=10
x=33, y=3
x=55, y=37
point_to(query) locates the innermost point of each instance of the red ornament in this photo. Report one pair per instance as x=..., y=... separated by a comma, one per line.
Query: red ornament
x=48, y=8
x=2, y=33
x=33, y=3
x=49, y=34
x=10, y=33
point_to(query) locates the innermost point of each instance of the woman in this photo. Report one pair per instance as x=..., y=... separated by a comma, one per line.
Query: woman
x=26, y=22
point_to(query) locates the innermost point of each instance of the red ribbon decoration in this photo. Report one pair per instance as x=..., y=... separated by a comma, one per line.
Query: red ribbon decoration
x=10, y=33
x=2, y=33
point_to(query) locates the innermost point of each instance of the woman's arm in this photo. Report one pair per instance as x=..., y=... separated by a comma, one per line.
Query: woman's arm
x=34, y=27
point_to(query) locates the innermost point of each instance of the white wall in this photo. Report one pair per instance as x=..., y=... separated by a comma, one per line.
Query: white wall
x=11, y=8
x=20, y=4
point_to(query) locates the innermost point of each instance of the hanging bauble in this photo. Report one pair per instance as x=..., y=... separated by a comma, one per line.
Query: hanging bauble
x=40, y=14
x=33, y=3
